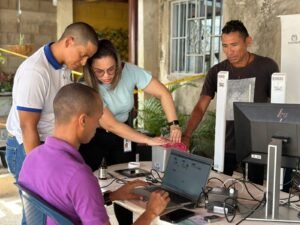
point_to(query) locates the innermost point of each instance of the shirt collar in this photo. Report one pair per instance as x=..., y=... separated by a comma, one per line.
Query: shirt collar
x=50, y=57
x=64, y=146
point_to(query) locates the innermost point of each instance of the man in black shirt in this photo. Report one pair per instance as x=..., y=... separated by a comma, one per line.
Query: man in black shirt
x=241, y=64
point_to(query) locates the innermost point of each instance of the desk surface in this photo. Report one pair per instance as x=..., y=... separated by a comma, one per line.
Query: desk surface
x=137, y=207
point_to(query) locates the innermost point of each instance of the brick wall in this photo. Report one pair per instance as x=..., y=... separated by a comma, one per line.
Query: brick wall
x=38, y=25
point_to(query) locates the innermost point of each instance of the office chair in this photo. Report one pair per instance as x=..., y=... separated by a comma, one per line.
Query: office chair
x=37, y=209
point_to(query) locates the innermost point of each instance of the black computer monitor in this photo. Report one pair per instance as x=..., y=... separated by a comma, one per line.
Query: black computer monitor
x=257, y=123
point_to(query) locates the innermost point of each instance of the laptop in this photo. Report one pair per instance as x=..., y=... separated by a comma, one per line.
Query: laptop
x=185, y=178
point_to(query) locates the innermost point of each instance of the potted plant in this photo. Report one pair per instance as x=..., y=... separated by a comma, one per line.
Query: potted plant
x=6, y=80
x=22, y=47
x=6, y=83
x=154, y=121
x=2, y=59
x=153, y=116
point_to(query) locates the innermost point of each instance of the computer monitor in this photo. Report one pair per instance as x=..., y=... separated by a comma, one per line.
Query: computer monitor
x=268, y=133
x=257, y=123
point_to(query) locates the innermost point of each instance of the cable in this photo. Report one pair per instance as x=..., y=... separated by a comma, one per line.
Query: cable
x=246, y=187
x=203, y=193
x=117, y=180
x=252, y=211
x=236, y=182
x=121, y=181
x=247, y=199
x=249, y=182
x=152, y=178
x=227, y=206
x=215, y=178
x=105, y=186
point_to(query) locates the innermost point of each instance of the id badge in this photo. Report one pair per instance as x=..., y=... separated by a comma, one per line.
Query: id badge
x=127, y=145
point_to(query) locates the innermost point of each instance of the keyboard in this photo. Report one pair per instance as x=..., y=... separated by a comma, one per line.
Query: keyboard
x=174, y=197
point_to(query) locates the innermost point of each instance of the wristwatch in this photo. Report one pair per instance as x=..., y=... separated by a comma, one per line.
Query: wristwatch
x=174, y=122
x=106, y=198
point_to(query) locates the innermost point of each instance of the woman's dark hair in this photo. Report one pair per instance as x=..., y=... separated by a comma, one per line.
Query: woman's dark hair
x=105, y=49
x=235, y=26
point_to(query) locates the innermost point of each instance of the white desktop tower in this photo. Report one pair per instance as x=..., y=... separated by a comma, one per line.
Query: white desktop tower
x=160, y=156
x=220, y=121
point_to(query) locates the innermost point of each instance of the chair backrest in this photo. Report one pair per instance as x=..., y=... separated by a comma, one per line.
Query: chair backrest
x=37, y=209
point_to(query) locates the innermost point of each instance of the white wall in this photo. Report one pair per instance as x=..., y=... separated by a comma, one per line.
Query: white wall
x=64, y=15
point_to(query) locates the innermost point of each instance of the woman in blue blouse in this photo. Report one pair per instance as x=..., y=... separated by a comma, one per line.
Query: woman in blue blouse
x=115, y=81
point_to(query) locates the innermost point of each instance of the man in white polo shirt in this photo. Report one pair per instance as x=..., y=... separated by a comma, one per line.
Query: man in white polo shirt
x=37, y=80
x=36, y=83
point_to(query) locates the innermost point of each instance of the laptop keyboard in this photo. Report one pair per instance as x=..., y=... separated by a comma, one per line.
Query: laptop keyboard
x=175, y=198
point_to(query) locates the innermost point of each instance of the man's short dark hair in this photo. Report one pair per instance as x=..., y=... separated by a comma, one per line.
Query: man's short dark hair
x=82, y=32
x=74, y=99
x=235, y=26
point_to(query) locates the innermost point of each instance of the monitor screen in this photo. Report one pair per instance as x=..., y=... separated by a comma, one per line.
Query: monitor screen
x=257, y=123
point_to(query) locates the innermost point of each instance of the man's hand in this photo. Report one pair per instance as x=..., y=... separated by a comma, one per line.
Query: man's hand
x=175, y=133
x=126, y=191
x=156, y=205
x=157, y=202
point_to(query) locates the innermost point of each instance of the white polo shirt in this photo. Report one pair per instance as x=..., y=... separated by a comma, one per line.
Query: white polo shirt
x=36, y=83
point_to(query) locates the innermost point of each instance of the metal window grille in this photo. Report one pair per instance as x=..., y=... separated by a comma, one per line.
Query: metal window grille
x=195, y=36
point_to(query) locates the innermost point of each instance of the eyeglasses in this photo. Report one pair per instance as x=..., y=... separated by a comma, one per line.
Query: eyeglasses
x=100, y=73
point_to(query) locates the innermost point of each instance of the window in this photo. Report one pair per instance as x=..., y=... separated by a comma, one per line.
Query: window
x=195, y=36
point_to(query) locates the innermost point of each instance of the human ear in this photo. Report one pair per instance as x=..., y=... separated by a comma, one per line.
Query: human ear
x=69, y=41
x=249, y=41
x=82, y=120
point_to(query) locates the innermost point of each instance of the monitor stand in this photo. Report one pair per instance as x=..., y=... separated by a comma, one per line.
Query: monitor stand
x=272, y=211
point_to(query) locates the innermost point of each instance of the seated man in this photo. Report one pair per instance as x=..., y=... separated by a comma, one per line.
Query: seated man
x=56, y=171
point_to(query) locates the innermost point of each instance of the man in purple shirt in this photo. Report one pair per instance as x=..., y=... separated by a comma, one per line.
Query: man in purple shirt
x=57, y=172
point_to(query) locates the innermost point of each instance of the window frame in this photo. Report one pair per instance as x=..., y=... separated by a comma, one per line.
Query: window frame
x=176, y=58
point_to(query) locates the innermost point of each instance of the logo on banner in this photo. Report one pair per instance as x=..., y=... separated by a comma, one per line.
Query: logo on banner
x=294, y=39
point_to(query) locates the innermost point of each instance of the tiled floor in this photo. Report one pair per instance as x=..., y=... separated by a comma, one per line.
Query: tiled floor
x=10, y=203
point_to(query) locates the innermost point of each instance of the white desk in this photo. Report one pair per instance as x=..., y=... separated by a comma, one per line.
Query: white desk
x=137, y=207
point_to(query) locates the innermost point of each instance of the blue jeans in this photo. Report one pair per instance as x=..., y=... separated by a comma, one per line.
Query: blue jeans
x=14, y=156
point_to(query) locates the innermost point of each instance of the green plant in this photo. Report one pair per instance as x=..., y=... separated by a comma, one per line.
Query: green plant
x=5, y=79
x=6, y=82
x=153, y=116
x=154, y=121
x=2, y=59
x=203, y=138
x=21, y=39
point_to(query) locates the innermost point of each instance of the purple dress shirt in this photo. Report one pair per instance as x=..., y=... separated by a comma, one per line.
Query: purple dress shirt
x=56, y=171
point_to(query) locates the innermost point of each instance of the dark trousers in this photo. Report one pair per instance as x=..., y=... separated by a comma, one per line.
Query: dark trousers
x=110, y=146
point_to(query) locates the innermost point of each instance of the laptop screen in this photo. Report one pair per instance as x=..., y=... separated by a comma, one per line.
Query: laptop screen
x=187, y=174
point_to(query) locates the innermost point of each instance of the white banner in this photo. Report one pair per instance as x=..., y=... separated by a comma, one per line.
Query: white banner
x=290, y=55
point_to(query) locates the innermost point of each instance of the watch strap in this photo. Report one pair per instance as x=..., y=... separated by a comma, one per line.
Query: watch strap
x=106, y=197
x=174, y=122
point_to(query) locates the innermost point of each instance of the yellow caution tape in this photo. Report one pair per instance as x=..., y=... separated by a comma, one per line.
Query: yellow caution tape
x=13, y=53
x=185, y=79
x=25, y=56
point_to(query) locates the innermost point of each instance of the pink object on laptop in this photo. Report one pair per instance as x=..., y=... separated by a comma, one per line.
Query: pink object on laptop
x=179, y=146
